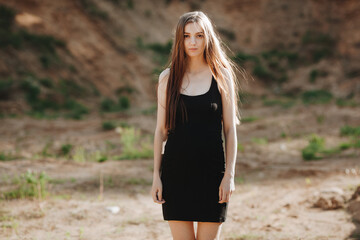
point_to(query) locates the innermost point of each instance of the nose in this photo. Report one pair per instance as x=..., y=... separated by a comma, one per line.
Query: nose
x=193, y=40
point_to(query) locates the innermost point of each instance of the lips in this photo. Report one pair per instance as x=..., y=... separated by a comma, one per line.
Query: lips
x=192, y=49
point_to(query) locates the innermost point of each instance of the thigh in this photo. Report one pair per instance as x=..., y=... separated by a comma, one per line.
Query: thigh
x=208, y=230
x=182, y=230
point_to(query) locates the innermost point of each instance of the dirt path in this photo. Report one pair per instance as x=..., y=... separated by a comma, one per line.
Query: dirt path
x=275, y=188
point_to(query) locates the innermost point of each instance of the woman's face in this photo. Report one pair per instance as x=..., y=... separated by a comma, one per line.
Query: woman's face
x=194, y=40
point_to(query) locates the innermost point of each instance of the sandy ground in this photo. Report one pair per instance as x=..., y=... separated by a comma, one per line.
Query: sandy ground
x=274, y=196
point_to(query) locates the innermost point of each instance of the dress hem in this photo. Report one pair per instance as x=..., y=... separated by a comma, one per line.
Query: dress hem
x=193, y=220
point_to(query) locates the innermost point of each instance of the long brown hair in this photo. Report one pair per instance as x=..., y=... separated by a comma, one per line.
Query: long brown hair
x=215, y=57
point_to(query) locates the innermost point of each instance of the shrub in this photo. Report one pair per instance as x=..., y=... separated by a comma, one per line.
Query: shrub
x=108, y=125
x=312, y=150
x=29, y=184
x=124, y=102
x=5, y=88
x=91, y=8
x=260, y=141
x=108, y=105
x=227, y=33
x=44, y=43
x=7, y=16
x=66, y=149
x=313, y=74
x=77, y=110
x=316, y=96
x=134, y=144
x=350, y=131
x=6, y=156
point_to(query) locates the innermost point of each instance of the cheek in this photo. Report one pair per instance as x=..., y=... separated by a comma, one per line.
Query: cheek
x=186, y=42
x=203, y=44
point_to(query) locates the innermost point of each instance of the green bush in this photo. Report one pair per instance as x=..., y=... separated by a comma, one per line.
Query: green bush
x=249, y=119
x=43, y=43
x=130, y=4
x=66, y=149
x=242, y=57
x=311, y=37
x=313, y=149
x=46, y=82
x=260, y=71
x=125, y=89
x=162, y=51
x=159, y=48
x=149, y=111
x=316, y=96
x=7, y=16
x=91, y=8
x=77, y=110
x=261, y=141
x=69, y=87
x=343, y=102
x=134, y=145
x=316, y=148
x=10, y=39
x=124, y=102
x=29, y=185
x=108, y=105
x=6, y=156
x=5, y=88
x=350, y=131
x=228, y=34
x=108, y=125
x=313, y=74
x=322, y=44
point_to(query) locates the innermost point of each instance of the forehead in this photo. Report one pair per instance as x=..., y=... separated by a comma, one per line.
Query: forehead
x=193, y=27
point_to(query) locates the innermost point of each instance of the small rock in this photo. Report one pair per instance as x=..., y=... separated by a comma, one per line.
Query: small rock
x=113, y=209
x=330, y=203
x=333, y=190
x=283, y=146
x=329, y=198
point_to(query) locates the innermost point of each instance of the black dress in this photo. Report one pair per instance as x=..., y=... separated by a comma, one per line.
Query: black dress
x=193, y=163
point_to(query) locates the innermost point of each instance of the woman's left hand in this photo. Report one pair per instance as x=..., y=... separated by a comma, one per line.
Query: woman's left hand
x=227, y=187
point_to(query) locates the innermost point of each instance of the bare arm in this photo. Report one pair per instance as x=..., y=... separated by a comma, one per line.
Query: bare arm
x=229, y=121
x=160, y=132
x=160, y=137
x=227, y=186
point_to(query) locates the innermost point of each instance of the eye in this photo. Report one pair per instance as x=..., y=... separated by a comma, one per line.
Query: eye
x=185, y=36
x=200, y=36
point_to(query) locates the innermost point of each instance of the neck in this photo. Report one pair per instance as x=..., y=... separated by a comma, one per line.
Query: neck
x=196, y=64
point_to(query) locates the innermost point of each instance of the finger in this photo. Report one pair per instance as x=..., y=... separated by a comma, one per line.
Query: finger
x=160, y=196
x=153, y=193
x=155, y=199
x=224, y=196
x=220, y=194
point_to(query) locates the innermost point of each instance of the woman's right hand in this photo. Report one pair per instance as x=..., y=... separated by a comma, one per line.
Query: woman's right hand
x=156, y=190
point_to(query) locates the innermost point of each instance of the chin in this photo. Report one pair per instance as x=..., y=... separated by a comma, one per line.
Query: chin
x=193, y=54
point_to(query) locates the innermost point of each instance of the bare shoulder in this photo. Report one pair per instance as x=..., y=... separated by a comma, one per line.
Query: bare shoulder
x=164, y=75
x=227, y=75
x=228, y=78
x=163, y=79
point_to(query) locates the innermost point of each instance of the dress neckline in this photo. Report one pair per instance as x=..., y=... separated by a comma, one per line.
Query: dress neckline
x=212, y=81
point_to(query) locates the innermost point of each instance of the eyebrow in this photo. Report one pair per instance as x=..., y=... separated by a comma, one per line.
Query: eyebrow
x=189, y=33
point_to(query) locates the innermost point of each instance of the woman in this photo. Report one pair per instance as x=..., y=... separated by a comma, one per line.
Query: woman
x=197, y=99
